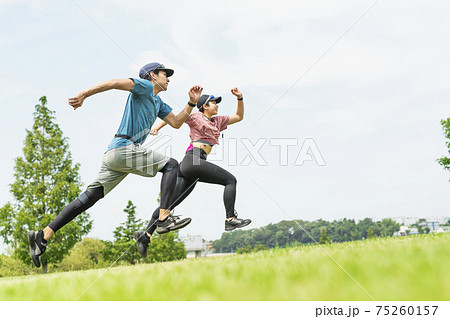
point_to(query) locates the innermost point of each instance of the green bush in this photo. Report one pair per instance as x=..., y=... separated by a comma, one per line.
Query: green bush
x=10, y=266
x=248, y=249
x=259, y=247
x=85, y=255
x=244, y=250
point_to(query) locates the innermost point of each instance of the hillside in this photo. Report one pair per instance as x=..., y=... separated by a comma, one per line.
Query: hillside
x=408, y=268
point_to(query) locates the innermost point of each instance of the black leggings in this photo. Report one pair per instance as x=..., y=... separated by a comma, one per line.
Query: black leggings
x=168, y=182
x=79, y=205
x=194, y=166
x=93, y=195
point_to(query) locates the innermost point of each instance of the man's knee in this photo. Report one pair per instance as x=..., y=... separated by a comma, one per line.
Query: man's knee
x=91, y=195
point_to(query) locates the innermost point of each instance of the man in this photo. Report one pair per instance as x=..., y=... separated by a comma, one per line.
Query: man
x=125, y=154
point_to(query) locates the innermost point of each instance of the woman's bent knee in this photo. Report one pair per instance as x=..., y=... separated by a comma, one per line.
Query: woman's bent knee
x=172, y=164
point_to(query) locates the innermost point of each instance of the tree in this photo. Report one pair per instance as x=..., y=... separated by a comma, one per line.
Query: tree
x=45, y=181
x=166, y=247
x=388, y=227
x=370, y=234
x=124, y=237
x=420, y=229
x=323, y=236
x=445, y=161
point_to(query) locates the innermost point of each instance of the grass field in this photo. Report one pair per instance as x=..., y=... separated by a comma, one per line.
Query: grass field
x=408, y=268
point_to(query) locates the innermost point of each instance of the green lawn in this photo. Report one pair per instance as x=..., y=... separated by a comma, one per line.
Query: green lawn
x=409, y=268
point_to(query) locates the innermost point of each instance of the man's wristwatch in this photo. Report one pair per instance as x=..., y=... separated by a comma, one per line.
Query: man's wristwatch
x=191, y=104
x=240, y=98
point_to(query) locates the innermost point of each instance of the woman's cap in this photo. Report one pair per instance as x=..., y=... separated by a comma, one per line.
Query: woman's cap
x=205, y=98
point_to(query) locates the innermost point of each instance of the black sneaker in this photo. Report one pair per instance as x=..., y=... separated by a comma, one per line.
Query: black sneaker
x=236, y=223
x=171, y=223
x=37, y=246
x=142, y=242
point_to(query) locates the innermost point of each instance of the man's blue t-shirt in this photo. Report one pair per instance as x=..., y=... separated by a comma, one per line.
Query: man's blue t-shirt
x=142, y=108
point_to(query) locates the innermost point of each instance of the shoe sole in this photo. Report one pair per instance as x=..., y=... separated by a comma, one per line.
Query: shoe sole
x=137, y=236
x=32, y=241
x=163, y=230
x=230, y=228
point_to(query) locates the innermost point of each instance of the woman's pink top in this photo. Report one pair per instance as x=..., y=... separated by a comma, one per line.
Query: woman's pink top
x=204, y=129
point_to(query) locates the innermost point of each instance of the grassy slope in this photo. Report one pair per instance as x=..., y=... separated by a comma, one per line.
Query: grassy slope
x=412, y=268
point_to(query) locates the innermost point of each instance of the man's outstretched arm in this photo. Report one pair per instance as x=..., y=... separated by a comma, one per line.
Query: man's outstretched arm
x=119, y=84
x=177, y=120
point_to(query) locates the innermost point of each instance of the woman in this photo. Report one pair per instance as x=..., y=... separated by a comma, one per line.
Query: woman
x=205, y=128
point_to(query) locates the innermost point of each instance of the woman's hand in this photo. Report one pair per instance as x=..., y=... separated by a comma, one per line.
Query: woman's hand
x=236, y=92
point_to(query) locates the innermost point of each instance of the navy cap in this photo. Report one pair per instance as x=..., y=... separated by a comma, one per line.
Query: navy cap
x=146, y=69
x=206, y=98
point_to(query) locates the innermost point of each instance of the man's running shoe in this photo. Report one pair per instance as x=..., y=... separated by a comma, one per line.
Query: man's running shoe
x=171, y=223
x=37, y=246
x=142, y=242
x=236, y=223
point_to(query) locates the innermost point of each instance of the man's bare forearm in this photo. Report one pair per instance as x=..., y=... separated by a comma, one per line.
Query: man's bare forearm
x=119, y=84
x=177, y=120
x=181, y=117
x=159, y=126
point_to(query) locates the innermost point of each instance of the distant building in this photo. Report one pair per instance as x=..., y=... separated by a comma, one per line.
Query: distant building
x=432, y=225
x=430, y=222
x=406, y=220
x=196, y=246
x=404, y=231
x=442, y=220
x=209, y=247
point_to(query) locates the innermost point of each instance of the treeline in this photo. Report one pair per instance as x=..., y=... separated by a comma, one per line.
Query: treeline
x=286, y=233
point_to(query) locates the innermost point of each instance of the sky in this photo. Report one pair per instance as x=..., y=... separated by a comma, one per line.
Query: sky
x=343, y=100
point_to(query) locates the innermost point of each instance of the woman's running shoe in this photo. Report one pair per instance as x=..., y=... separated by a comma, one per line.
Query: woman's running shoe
x=171, y=223
x=236, y=223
